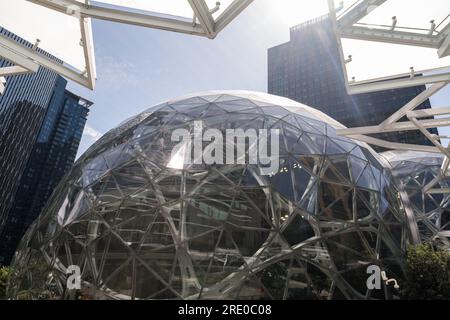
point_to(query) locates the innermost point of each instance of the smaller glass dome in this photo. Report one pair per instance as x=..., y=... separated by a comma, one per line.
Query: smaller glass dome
x=413, y=171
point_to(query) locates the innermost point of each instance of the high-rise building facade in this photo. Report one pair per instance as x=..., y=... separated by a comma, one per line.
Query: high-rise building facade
x=41, y=124
x=307, y=69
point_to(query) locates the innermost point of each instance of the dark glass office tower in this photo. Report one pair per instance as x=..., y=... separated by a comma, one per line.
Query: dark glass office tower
x=22, y=111
x=41, y=124
x=307, y=69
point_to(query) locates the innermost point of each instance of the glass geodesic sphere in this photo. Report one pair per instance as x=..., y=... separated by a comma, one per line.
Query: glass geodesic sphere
x=139, y=227
x=414, y=171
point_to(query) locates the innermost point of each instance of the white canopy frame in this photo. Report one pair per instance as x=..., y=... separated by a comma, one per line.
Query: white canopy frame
x=349, y=26
x=26, y=59
x=420, y=120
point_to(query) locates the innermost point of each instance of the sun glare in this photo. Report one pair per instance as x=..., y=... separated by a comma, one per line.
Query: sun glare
x=297, y=11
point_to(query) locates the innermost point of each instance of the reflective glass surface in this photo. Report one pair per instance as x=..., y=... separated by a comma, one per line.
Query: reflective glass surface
x=413, y=171
x=139, y=228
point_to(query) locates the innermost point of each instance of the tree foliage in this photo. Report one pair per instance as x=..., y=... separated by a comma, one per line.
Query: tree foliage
x=427, y=273
x=5, y=273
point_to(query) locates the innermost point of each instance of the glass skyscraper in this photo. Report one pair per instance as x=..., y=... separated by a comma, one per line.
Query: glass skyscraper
x=41, y=124
x=307, y=69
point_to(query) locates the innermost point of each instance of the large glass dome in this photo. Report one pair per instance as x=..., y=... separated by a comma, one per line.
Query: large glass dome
x=140, y=227
x=413, y=171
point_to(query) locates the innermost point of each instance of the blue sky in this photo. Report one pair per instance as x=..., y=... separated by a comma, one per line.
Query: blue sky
x=138, y=67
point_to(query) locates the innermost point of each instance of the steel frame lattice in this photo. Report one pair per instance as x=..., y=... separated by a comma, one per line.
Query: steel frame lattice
x=139, y=229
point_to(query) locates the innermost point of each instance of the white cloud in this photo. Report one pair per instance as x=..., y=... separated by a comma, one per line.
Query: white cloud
x=115, y=72
x=92, y=133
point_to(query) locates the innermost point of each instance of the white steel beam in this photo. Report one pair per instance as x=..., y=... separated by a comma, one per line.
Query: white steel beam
x=365, y=87
x=414, y=103
x=13, y=71
x=444, y=32
x=395, y=127
x=395, y=37
x=17, y=59
x=430, y=137
x=142, y=20
x=13, y=46
x=204, y=16
x=435, y=111
x=444, y=49
x=358, y=12
x=391, y=124
x=334, y=24
x=88, y=51
x=2, y=86
x=230, y=13
x=157, y=22
x=394, y=145
x=121, y=16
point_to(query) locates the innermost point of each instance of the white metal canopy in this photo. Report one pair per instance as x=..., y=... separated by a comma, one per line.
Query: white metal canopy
x=391, y=44
x=66, y=37
x=71, y=41
x=388, y=44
